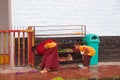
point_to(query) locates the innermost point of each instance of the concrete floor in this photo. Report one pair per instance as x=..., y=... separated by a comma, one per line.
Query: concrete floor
x=69, y=72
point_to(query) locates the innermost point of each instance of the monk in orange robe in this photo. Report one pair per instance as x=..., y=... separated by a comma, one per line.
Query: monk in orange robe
x=49, y=51
x=87, y=52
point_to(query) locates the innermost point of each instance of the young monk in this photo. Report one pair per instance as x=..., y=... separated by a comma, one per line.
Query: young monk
x=87, y=53
x=49, y=51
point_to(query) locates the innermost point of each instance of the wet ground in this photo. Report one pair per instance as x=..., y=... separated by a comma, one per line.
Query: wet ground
x=68, y=72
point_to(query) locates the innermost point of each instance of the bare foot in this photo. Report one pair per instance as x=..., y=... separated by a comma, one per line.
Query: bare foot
x=43, y=71
x=85, y=69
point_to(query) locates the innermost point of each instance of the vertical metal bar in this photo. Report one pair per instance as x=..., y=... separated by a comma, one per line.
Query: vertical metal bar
x=85, y=29
x=30, y=59
x=14, y=47
x=34, y=32
x=4, y=50
x=32, y=45
x=28, y=47
x=18, y=48
x=9, y=39
x=23, y=48
x=33, y=42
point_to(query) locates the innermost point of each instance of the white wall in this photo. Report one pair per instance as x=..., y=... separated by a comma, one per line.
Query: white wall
x=101, y=17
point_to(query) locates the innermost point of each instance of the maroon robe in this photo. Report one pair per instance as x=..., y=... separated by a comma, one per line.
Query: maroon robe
x=49, y=56
x=86, y=60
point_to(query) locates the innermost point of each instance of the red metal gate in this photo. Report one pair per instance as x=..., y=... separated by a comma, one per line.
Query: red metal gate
x=22, y=41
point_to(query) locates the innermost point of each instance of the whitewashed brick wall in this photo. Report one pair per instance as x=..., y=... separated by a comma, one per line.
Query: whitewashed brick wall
x=101, y=17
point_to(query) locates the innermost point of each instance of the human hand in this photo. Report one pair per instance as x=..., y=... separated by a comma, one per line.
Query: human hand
x=45, y=47
x=82, y=53
x=86, y=50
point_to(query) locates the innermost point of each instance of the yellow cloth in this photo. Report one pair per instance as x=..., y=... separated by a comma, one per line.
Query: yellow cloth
x=50, y=45
x=88, y=49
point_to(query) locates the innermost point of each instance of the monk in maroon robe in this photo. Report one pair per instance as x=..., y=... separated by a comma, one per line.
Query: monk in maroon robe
x=49, y=51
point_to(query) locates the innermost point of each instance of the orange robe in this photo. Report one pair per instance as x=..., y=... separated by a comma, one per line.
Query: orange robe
x=88, y=53
x=87, y=49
